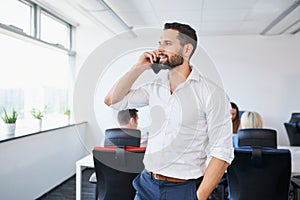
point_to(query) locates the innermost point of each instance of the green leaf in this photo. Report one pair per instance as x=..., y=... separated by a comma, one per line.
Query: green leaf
x=37, y=113
x=9, y=118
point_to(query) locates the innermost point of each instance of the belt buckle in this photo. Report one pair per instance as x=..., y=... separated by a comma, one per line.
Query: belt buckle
x=155, y=176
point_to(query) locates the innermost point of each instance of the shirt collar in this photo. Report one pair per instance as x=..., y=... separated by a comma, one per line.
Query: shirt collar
x=194, y=75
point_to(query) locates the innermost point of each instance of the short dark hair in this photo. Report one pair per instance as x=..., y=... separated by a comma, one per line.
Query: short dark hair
x=125, y=115
x=186, y=34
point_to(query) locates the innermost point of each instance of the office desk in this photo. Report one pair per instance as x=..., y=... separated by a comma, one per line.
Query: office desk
x=295, y=153
x=80, y=165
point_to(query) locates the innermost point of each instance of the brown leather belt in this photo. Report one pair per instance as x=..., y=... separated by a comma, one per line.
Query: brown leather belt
x=166, y=178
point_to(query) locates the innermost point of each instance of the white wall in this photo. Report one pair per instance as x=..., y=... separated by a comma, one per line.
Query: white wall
x=260, y=73
x=33, y=165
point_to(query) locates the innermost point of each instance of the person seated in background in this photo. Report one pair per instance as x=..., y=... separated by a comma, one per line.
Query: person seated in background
x=235, y=117
x=250, y=119
x=129, y=119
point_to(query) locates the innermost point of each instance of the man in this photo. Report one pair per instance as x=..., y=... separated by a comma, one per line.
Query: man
x=129, y=119
x=197, y=122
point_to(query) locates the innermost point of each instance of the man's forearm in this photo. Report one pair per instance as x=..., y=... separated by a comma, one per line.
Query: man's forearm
x=212, y=176
x=122, y=87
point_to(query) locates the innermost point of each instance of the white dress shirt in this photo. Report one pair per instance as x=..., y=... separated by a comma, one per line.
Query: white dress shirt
x=188, y=126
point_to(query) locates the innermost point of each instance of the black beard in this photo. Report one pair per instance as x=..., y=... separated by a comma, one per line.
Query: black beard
x=174, y=61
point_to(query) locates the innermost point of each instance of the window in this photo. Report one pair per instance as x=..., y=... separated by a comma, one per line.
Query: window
x=20, y=21
x=54, y=30
x=32, y=74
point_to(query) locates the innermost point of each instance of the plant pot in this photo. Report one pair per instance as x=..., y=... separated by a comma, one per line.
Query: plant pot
x=9, y=128
x=38, y=124
x=69, y=119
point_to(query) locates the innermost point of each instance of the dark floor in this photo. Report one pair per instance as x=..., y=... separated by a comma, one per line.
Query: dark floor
x=67, y=191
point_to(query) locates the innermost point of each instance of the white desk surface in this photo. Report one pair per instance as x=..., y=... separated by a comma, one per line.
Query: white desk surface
x=86, y=161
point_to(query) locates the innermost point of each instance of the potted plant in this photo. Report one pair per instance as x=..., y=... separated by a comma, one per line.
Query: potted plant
x=9, y=120
x=67, y=112
x=38, y=115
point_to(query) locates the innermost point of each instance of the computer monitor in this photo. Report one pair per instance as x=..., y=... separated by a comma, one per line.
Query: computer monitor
x=122, y=137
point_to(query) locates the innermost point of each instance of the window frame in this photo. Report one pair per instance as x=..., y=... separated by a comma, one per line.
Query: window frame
x=35, y=29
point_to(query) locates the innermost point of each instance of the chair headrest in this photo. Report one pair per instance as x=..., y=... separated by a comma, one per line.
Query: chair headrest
x=122, y=137
x=295, y=117
x=257, y=153
x=293, y=126
x=260, y=137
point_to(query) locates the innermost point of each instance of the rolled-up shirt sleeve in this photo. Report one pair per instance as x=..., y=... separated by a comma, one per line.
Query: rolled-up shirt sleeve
x=134, y=99
x=219, y=126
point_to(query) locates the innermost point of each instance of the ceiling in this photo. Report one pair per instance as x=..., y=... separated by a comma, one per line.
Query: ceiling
x=208, y=17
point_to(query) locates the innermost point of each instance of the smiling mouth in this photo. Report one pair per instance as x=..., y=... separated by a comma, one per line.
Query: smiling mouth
x=163, y=58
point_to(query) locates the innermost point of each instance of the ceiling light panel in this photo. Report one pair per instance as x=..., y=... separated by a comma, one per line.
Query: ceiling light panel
x=286, y=23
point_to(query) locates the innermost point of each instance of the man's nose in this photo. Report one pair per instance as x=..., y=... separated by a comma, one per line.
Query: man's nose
x=160, y=50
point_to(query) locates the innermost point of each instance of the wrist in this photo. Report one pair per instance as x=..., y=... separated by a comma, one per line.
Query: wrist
x=201, y=195
x=139, y=68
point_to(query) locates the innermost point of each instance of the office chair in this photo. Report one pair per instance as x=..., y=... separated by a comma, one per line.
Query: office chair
x=119, y=137
x=260, y=174
x=257, y=137
x=295, y=117
x=293, y=132
x=118, y=163
x=115, y=173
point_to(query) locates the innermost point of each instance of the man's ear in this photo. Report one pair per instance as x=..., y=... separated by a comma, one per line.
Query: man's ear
x=187, y=50
x=132, y=121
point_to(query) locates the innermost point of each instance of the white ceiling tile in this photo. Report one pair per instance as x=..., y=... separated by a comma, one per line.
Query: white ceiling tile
x=147, y=19
x=130, y=5
x=224, y=14
x=172, y=5
x=219, y=28
x=228, y=4
x=260, y=14
x=184, y=16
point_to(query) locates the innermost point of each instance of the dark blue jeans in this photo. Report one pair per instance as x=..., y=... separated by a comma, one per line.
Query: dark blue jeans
x=148, y=188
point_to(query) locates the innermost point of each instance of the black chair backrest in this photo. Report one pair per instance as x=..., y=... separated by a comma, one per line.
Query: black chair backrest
x=269, y=180
x=293, y=132
x=260, y=137
x=122, y=137
x=295, y=118
x=116, y=173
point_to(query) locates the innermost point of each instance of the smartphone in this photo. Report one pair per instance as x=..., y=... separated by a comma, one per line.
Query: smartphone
x=156, y=66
